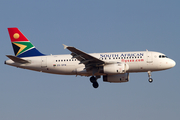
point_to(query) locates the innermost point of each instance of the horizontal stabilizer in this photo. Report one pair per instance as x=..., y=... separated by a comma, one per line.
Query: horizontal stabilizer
x=16, y=59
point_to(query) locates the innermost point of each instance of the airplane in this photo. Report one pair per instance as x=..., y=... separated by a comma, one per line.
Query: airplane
x=114, y=67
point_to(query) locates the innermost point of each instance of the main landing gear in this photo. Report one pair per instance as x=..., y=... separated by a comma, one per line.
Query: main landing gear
x=94, y=81
x=149, y=75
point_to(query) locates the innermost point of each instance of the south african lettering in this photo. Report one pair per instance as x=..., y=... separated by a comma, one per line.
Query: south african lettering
x=122, y=55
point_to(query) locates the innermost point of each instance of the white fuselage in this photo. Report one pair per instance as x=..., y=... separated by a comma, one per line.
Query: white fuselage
x=138, y=61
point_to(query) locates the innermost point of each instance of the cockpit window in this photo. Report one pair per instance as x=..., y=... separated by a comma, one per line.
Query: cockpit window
x=163, y=56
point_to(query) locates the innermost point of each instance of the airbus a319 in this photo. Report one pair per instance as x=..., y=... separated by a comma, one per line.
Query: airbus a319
x=113, y=67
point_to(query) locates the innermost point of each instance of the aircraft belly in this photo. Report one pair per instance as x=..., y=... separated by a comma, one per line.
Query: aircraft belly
x=64, y=69
x=140, y=67
x=133, y=67
x=34, y=64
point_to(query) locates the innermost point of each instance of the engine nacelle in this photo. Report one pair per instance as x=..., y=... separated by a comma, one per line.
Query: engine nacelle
x=116, y=78
x=115, y=68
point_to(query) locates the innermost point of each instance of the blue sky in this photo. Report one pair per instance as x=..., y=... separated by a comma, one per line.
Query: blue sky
x=92, y=26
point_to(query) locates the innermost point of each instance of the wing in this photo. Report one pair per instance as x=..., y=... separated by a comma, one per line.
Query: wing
x=84, y=58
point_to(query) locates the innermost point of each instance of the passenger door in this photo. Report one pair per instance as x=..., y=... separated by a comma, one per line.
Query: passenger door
x=149, y=57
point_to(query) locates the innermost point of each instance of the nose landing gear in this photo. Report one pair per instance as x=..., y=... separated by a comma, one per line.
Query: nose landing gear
x=149, y=75
x=94, y=81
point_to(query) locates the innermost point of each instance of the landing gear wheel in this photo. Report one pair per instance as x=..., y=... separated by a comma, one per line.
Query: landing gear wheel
x=93, y=79
x=150, y=80
x=95, y=85
x=94, y=82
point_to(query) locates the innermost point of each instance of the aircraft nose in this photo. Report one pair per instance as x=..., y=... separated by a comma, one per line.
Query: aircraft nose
x=173, y=63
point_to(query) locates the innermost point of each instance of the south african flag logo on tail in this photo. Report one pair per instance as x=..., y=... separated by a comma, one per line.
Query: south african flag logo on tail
x=21, y=45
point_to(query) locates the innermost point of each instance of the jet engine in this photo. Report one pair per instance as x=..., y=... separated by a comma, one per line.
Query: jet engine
x=116, y=78
x=115, y=68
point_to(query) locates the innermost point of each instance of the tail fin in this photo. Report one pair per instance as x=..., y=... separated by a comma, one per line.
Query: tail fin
x=21, y=45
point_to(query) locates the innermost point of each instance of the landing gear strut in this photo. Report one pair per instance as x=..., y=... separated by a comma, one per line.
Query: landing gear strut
x=94, y=81
x=149, y=75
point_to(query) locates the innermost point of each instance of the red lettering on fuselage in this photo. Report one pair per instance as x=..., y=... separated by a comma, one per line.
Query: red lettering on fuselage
x=137, y=60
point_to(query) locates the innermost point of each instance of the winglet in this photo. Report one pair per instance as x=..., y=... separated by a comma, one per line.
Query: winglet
x=65, y=46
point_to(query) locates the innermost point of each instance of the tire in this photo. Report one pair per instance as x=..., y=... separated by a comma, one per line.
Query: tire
x=150, y=80
x=95, y=85
x=92, y=79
